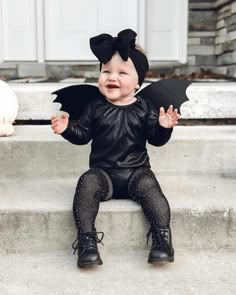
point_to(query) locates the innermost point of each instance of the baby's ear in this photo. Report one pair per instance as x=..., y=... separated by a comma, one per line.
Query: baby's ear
x=137, y=87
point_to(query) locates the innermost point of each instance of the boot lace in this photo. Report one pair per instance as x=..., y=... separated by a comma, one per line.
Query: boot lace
x=158, y=239
x=89, y=238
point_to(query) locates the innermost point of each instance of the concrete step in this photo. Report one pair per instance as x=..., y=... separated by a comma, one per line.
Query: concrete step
x=207, y=100
x=36, y=216
x=35, y=152
x=211, y=273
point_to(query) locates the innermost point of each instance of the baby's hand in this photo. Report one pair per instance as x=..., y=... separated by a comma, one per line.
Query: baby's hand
x=170, y=118
x=59, y=125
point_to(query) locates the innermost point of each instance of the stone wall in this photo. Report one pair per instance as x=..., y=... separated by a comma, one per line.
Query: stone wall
x=211, y=38
x=225, y=41
x=201, y=38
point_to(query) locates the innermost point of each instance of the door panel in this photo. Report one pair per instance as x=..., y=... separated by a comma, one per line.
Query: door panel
x=19, y=30
x=59, y=30
x=166, y=30
x=70, y=23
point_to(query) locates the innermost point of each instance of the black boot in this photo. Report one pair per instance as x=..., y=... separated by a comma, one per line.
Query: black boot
x=162, y=250
x=86, y=244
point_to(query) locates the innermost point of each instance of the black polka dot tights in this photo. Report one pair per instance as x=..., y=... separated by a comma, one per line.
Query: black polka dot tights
x=95, y=185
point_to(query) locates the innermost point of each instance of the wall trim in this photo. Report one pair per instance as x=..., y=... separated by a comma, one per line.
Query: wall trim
x=1, y=33
x=39, y=16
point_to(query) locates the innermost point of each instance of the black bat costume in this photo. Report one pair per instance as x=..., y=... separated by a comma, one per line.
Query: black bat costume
x=118, y=149
x=119, y=162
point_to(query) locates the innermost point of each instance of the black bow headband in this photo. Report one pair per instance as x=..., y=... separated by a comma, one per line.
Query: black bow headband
x=104, y=46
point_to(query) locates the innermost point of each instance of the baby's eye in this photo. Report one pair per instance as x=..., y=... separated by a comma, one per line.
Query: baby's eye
x=105, y=72
x=123, y=73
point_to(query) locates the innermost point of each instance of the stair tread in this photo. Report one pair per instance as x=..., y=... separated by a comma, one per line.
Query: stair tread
x=45, y=133
x=195, y=193
x=122, y=273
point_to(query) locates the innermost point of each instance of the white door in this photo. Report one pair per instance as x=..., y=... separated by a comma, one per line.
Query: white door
x=166, y=30
x=59, y=30
x=70, y=23
x=18, y=30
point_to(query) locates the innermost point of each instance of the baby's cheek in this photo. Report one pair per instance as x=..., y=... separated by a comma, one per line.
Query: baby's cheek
x=100, y=86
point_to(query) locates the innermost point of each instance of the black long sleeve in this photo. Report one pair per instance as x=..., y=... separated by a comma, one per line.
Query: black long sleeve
x=119, y=133
x=80, y=132
x=156, y=134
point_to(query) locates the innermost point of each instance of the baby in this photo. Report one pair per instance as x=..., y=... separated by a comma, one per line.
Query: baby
x=119, y=125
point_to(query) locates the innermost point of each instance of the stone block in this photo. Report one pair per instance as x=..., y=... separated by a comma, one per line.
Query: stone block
x=201, y=5
x=227, y=58
x=201, y=16
x=201, y=50
x=191, y=60
x=223, y=6
x=206, y=60
x=222, y=35
x=224, y=14
x=58, y=71
x=8, y=73
x=217, y=40
x=231, y=71
x=232, y=36
x=202, y=20
x=31, y=70
x=221, y=70
x=207, y=41
x=8, y=66
x=220, y=24
x=201, y=27
x=230, y=20
x=232, y=28
x=195, y=34
x=8, y=70
x=87, y=71
x=188, y=70
x=219, y=49
x=194, y=41
x=229, y=46
x=223, y=38
x=233, y=7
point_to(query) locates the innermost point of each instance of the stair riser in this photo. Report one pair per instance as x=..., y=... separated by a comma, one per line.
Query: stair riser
x=36, y=159
x=44, y=232
x=207, y=100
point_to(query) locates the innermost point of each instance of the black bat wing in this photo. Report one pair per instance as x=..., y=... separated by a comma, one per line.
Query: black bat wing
x=75, y=98
x=166, y=92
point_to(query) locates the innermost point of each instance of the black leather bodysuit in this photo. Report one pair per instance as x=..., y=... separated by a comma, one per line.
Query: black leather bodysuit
x=119, y=135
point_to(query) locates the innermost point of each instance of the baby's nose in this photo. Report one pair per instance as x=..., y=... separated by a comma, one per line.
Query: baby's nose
x=112, y=77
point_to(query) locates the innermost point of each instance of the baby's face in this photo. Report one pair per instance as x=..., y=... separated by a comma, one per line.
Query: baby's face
x=118, y=80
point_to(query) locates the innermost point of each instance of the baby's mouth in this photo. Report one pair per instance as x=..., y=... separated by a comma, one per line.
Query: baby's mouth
x=112, y=86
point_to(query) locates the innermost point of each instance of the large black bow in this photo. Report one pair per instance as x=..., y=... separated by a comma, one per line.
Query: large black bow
x=104, y=45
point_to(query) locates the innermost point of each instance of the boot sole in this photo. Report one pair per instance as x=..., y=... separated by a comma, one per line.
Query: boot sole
x=89, y=264
x=161, y=261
